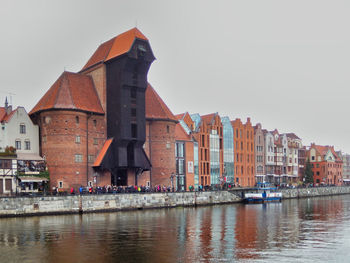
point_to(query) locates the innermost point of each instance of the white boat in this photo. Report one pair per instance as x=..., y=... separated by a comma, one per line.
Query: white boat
x=263, y=193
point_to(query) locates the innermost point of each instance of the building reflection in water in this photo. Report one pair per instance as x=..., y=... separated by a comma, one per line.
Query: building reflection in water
x=207, y=234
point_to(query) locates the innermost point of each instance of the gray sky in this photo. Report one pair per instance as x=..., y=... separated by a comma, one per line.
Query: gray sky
x=283, y=63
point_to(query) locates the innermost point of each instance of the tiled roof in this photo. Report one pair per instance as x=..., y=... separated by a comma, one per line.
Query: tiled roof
x=180, y=133
x=4, y=117
x=103, y=152
x=8, y=117
x=179, y=116
x=292, y=136
x=71, y=91
x=155, y=106
x=323, y=150
x=114, y=47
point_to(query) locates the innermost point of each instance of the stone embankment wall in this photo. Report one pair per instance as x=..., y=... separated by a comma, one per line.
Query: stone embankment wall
x=314, y=192
x=25, y=206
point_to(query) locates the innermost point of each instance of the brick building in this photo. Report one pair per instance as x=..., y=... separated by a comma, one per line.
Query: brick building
x=244, y=152
x=92, y=124
x=326, y=165
x=160, y=141
x=216, y=159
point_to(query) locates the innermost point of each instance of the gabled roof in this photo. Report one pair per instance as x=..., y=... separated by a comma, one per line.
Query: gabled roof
x=4, y=117
x=323, y=150
x=155, y=106
x=8, y=117
x=72, y=91
x=292, y=136
x=103, y=152
x=114, y=47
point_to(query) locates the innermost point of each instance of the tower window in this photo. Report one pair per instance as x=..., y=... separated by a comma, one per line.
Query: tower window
x=76, y=119
x=167, y=129
x=134, y=130
x=78, y=158
x=133, y=112
x=94, y=122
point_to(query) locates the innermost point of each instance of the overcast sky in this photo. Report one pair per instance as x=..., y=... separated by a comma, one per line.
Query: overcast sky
x=283, y=63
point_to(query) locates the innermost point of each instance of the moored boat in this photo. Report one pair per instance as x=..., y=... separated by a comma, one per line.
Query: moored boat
x=263, y=193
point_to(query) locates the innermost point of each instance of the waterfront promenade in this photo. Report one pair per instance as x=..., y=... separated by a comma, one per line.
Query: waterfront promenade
x=70, y=204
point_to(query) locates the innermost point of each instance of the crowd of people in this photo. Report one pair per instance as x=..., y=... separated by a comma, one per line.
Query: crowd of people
x=109, y=189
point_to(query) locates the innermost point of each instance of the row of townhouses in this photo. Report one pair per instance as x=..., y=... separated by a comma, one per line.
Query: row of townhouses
x=106, y=125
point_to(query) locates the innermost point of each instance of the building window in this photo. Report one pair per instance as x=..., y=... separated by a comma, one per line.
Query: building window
x=167, y=129
x=18, y=145
x=77, y=119
x=5, y=164
x=133, y=130
x=60, y=184
x=95, y=141
x=27, y=145
x=91, y=158
x=133, y=112
x=22, y=129
x=44, y=138
x=78, y=158
x=77, y=139
x=94, y=122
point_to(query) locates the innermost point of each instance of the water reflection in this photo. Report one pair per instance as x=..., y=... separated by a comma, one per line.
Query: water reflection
x=306, y=230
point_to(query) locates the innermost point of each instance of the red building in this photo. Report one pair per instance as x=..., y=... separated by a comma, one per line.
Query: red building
x=326, y=165
x=92, y=124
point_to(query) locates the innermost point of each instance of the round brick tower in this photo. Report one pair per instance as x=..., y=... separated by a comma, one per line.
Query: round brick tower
x=72, y=130
x=160, y=141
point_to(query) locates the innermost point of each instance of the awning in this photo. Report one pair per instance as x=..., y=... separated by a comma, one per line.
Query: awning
x=29, y=157
x=32, y=179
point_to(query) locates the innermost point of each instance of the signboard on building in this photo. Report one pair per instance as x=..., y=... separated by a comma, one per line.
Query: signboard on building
x=190, y=167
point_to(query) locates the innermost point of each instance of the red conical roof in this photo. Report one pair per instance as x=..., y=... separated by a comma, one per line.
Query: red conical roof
x=71, y=91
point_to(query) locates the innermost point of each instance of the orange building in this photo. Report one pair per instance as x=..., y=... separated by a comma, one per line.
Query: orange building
x=201, y=134
x=244, y=152
x=326, y=165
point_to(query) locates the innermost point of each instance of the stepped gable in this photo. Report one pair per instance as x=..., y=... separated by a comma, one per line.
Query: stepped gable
x=114, y=47
x=72, y=91
x=155, y=106
x=208, y=118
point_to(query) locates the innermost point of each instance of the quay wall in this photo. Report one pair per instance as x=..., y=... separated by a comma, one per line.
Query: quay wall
x=46, y=205
x=314, y=192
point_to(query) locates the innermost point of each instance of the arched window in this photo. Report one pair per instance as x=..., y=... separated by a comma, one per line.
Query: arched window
x=77, y=119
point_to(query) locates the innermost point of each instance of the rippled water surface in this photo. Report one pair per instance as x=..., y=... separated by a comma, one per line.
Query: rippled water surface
x=307, y=230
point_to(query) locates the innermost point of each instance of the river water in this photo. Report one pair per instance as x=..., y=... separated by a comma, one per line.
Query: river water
x=306, y=230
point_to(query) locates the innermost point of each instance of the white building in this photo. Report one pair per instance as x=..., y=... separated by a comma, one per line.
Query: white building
x=19, y=147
